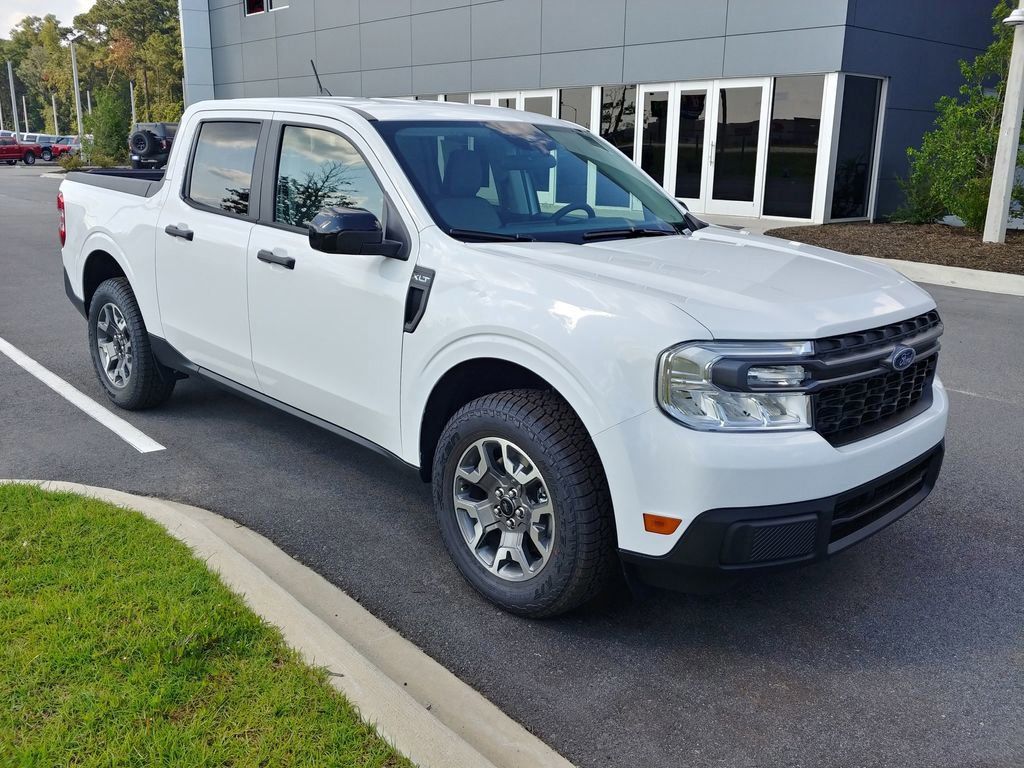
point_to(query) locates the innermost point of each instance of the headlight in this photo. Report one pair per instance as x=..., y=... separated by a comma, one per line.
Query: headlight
x=736, y=386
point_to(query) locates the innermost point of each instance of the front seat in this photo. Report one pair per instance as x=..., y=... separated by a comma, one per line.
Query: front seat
x=458, y=204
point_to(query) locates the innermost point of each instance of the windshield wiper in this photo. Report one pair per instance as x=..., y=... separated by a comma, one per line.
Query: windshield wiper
x=623, y=234
x=490, y=237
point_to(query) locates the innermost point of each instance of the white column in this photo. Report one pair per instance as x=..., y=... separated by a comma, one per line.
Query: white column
x=1009, y=136
x=78, y=93
x=14, y=100
x=56, y=122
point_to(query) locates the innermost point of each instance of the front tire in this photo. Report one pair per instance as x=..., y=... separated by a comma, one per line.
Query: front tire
x=121, y=354
x=47, y=155
x=523, y=504
x=30, y=158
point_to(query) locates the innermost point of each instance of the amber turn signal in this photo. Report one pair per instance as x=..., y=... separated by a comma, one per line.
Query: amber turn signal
x=659, y=524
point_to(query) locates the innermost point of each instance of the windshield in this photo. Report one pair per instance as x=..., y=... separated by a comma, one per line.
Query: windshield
x=496, y=180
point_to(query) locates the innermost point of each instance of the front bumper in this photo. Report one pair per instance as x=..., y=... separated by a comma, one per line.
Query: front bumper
x=722, y=545
x=655, y=465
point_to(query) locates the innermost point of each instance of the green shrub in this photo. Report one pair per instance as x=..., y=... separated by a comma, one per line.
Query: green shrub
x=71, y=162
x=921, y=205
x=109, y=125
x=952, y=170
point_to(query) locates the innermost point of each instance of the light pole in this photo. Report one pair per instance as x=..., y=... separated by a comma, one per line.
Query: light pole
x=131, y=96
x=1005, y=169
x=24, y=112
x=53, y=103
x=14, y=100
x=74, y=74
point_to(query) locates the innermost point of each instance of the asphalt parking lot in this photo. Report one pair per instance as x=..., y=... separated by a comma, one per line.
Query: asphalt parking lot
x=906, y=651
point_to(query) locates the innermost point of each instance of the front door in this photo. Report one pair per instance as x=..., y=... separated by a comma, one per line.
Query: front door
x=738, y=138
x=201, y=241
x=327, y=329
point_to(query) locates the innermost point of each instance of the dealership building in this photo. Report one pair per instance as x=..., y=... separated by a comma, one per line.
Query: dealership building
x=792, y=109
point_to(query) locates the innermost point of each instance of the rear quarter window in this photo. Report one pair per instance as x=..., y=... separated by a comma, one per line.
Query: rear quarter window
x=222, y=166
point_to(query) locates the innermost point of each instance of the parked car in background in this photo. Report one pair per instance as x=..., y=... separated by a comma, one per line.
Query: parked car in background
x=13, y=149
x=587, y=373
x=67, y=145
x=150, y=144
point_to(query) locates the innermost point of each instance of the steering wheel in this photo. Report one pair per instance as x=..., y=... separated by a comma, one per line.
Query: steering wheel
x=560, y=214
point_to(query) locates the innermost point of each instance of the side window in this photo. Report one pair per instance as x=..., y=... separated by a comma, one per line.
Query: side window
x=318, y=169
x=222, y=167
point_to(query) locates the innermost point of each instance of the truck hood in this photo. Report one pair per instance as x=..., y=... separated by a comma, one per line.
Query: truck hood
x=739, y=285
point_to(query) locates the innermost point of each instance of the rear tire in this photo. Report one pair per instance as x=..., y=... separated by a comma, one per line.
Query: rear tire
x=12, y=162
x=30, y=158
x=121, y=353
x=533, y=443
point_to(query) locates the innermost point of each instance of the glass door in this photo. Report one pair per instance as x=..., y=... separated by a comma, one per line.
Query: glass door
x=653, y=129
x=738, y=129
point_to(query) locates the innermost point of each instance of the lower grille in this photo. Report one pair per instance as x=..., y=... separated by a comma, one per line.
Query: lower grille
x=859, y=509
x=846, y=412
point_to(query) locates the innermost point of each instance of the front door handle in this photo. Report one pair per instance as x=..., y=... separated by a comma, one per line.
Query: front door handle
x=272, y=258
x=183, y=232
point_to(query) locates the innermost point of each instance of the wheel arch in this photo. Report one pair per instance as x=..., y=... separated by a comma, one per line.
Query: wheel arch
x=99, y=265
x=477, y=376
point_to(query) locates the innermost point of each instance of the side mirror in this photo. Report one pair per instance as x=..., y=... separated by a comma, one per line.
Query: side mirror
x=350, y=230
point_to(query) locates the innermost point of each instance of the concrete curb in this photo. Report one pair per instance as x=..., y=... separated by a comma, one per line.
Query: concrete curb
x=957, y=277
x=416, y=704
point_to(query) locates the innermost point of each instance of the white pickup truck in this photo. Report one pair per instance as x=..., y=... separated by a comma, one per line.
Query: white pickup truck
x=588, y=375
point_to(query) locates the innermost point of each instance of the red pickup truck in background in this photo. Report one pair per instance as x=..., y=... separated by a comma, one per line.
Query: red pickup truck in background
x=12, y=150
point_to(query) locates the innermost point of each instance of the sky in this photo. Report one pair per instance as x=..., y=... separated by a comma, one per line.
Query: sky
x=13, y=11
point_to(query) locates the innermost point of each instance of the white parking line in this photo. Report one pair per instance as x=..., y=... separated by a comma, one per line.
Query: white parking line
x=138, y=440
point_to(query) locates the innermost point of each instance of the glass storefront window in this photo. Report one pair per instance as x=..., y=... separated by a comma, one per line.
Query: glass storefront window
x=736, y=150
x=574, y=105
x=690, y=153
x=618, y=116
x=654, y=134
x=793, y=146
x=618, y=121
x=854, y=155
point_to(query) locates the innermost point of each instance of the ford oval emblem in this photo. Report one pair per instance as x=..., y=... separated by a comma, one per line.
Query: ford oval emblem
x=902, y=358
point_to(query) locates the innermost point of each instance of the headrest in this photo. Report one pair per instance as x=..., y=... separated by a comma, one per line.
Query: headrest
x=464, y=173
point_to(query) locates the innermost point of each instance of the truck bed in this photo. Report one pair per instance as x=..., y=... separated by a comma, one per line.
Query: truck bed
x=142, y=183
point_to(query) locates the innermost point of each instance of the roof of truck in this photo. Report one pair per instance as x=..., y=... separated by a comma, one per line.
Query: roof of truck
x=378, y=109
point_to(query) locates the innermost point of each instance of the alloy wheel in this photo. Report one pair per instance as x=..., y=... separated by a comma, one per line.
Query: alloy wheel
x=503, y=509
x=114, y=341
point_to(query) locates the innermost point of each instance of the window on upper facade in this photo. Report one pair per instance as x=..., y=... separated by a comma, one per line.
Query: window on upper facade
x=253, y=7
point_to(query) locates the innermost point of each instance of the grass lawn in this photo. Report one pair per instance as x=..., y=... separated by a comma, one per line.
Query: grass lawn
x=930, y=243
x=119, y=648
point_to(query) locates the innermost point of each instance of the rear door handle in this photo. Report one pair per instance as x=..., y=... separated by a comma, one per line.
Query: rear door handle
x=183, y=232
x=272, y=258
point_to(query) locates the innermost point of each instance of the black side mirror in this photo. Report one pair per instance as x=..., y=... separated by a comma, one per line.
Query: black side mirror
x=350, y=230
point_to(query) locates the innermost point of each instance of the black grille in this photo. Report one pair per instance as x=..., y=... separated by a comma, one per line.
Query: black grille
x=885, y=336
x=859, y=509
x=847, y=409
x=868, y=397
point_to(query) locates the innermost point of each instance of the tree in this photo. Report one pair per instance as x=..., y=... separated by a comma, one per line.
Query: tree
x=952, y=171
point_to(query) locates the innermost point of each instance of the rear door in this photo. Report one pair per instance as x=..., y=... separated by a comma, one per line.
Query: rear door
x=202, y=239
x=327, y=330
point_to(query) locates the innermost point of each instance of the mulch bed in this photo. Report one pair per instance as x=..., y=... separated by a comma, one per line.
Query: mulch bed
x=929, y=243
